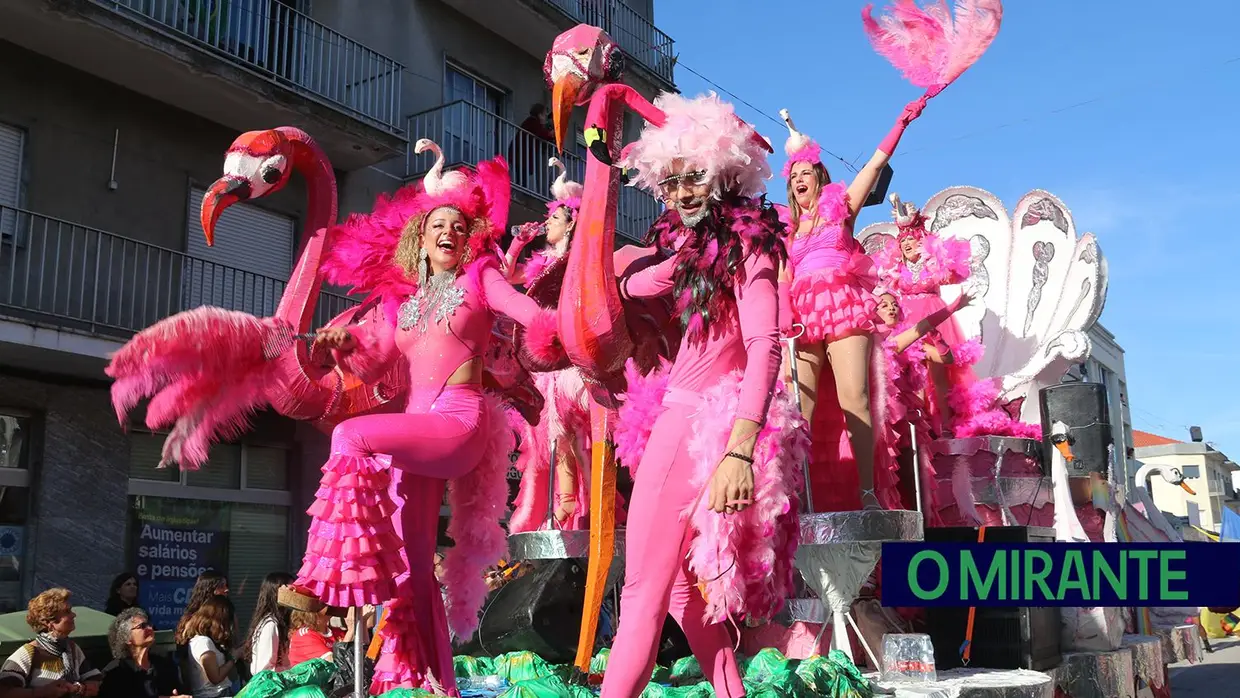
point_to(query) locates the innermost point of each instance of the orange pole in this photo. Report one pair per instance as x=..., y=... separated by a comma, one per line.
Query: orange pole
x=602, y=531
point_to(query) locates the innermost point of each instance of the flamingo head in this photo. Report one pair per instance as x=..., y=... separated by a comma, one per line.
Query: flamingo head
x=580, y=60
x=255, y=165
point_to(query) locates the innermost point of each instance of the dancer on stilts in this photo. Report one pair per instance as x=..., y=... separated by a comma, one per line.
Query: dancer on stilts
x=718, y=445
x=564, y=427
x=425, y=254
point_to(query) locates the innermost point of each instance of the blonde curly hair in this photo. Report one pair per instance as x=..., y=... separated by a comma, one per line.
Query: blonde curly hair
x=406, y=256
x=47, y=608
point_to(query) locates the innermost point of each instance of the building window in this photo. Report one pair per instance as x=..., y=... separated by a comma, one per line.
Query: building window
x=472, y=123
x=231, y=516
x=14, y=507
x=12, y=147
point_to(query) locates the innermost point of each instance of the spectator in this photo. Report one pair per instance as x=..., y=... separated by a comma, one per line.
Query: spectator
x=51, y=665
x=266, y=645
x=534, y=139
x=208, y=634
x=137, y=672
x=123, y=594
x=310, y=637
x=210, y=584
x=539, y=123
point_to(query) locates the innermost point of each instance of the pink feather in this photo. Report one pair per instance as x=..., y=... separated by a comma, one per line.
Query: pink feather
x=641, y=405
x=542, y=340
x=927, y=45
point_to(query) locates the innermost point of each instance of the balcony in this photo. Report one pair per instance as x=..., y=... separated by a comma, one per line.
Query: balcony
x=69, y=278
x=469, y=134
x=242, y=63
x=525, y=24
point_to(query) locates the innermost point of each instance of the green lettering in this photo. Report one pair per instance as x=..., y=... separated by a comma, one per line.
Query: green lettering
x=1166, y=576
x=1102, y=568
x=1073, y=576
x=1015, y=593
x=970, y=575
x=944, y=577
x=1143, y=574
x=1038, y=577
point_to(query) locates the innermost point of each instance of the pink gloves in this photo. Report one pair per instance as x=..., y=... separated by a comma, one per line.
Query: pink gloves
x=911, y=111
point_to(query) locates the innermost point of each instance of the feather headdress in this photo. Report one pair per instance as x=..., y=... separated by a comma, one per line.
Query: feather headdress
x=930, y=46
x=908, y=218
x=361, y=249
x=799, y=147
x=707, y=135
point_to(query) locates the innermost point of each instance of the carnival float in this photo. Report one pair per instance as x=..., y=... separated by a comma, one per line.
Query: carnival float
x=975, y=430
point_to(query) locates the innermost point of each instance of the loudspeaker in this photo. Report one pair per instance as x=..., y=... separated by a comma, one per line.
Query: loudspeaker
x=1082, y=407
x=540, y=612
x=878, y=193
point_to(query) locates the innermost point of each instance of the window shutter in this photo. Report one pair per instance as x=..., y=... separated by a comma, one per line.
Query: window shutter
x=266, y=468
x=257, y=546
x=12, y=141
x=222, y=469
x=144, y=453
x=249, y=264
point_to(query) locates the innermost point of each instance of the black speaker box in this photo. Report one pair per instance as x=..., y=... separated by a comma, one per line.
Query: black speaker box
x=539, y=612
x=1083, y=408
x=1003, y=638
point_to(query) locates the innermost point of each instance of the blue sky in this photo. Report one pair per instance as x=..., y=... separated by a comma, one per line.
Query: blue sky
x=1128, y=117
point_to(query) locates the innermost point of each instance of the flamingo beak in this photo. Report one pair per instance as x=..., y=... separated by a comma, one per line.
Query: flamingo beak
x=563, y=98
x=1066, y=450
x=224, y=193
x=1187, y=488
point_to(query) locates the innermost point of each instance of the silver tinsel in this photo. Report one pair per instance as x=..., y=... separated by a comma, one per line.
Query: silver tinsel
x=435, y=302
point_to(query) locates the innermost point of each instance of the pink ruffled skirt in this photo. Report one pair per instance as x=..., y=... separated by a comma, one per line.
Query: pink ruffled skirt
x=837, y=302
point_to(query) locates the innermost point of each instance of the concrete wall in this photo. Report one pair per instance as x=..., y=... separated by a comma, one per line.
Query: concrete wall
x=81, y=478
x=71, y=120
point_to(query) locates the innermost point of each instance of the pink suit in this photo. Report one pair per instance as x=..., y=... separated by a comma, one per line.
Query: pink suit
x=358, y=552
x=657, y=577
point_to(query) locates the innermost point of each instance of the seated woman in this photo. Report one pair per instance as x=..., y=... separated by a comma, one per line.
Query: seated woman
x=51, y=665
x=137, y=672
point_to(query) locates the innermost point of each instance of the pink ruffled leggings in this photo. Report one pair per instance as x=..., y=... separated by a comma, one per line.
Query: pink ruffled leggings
x=427, y=447
x=657, y=580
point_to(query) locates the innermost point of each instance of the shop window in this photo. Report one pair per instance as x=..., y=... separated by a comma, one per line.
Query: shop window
x=14, y=508
x=232, y=516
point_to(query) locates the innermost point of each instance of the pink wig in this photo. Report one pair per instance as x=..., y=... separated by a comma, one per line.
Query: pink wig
x=799, y=147
x=706, y=134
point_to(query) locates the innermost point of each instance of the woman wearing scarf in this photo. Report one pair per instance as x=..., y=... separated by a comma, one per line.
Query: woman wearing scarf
x=51, y=665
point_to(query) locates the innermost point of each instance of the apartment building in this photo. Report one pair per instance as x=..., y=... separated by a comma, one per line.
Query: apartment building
x=115, y=118
x=1207, y=470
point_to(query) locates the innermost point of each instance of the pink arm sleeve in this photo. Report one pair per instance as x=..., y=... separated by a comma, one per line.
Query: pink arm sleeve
x=785, y=308
x=758, y=306
x=504, y=299
x=375, y=350
x=650, y=282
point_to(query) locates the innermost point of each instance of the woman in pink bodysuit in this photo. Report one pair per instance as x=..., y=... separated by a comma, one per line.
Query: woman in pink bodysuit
x=565, y=419
x=832, y=280
x=915, y=266
x=717, y=454
x=424, y=256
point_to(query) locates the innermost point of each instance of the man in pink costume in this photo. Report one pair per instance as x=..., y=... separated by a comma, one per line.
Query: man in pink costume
x=425, y=257
x=716, y=453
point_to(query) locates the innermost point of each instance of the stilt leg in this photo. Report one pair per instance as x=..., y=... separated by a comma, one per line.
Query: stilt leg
x=602, y=531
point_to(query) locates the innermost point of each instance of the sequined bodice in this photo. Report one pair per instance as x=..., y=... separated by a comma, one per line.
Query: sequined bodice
x=913, y=279
x=827, y=246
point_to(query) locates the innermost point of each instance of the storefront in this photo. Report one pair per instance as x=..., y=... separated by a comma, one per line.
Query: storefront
x=14, y=506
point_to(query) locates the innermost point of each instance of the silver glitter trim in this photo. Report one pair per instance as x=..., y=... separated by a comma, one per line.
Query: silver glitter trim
x=990, y=444
x=563, y=545
x=1182, y=644
x=874, y=526
x=958, y=206
x=1147, y=658
x=978, y=683
x=838, y=550
x=435, y=302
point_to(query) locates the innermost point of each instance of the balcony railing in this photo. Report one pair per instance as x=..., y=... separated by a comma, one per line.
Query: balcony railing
x=469, y=134
x=285, y=46
x=85, y=280
x=635, y=34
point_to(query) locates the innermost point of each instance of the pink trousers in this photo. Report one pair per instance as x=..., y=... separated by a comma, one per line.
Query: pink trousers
x=440, y=439
x=657, y=579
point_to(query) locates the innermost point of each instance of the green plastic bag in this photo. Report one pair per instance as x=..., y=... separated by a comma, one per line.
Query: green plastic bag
x=765, y=664
x=661, y=674
x=783, y=683
x=686, y=671
x=598, y=664
x=304, y=692
x=846, y=680
x=522, y=666
x=264, y=684
x=551, y=686
x=468, y=667
x=312, y=672
x=406, y=693
x=815, y=672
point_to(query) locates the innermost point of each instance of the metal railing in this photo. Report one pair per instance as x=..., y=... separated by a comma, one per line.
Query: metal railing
x=286, y=46
x=85, y=280
x=636, y=35
x=469, y=134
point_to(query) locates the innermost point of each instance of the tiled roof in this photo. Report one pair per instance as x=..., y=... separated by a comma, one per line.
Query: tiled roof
x=1141, y=439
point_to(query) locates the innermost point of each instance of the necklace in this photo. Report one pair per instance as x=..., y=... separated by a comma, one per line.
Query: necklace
x=438, y=298
x=915, y=268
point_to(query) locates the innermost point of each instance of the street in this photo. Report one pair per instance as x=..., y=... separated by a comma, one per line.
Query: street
x=1217, y=676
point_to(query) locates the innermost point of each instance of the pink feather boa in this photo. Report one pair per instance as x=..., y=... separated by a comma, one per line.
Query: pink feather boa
x=478, y=501
x=979, y=414
x=832, y=208
x=745, y=560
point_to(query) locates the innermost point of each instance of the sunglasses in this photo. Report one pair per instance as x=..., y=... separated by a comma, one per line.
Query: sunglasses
x=142, y=626
x=696, y=178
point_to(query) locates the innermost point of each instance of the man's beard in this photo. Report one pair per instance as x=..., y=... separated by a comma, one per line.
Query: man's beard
x=691, y=221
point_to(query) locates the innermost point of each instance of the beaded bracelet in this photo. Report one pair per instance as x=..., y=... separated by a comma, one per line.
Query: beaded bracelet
x=737, y=456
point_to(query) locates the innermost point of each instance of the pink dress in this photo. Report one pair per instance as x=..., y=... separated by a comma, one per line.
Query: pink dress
x=832, y=277
x=375, y=517
x=944, y=262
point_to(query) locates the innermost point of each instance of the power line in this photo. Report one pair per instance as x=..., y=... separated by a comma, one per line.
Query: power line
x=742, y=100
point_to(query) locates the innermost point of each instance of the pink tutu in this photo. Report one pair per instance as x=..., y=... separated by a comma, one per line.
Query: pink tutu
x=838, y=302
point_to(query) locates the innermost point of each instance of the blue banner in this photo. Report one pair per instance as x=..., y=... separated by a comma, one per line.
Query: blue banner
x=174, y=541
x=1060, y=574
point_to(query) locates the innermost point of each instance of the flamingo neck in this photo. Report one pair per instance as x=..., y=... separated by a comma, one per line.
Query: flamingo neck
x=302, y=293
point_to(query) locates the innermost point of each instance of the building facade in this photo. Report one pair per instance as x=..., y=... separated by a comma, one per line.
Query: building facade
x=1209, y=472
x=116, y=117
